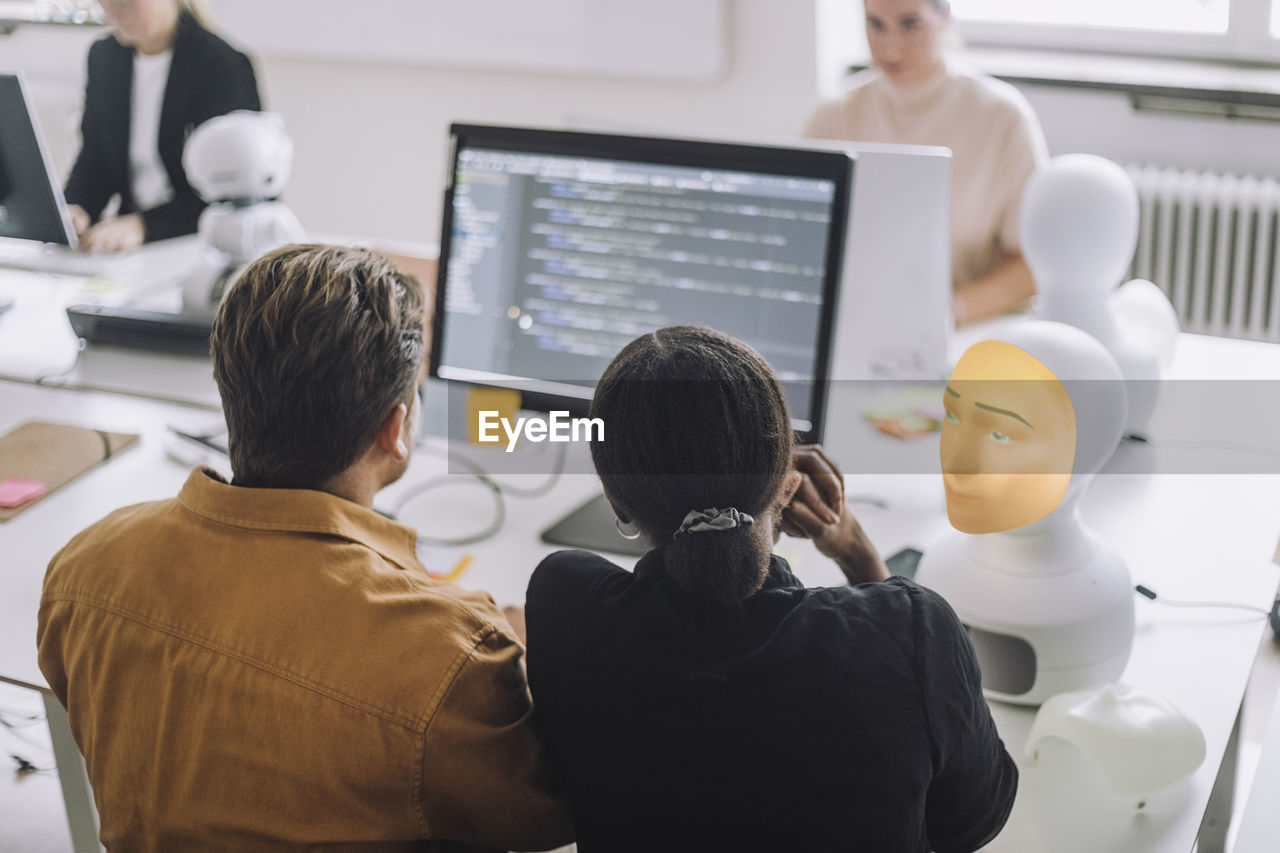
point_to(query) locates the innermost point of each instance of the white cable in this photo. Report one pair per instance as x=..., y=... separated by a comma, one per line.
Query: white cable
x=1149, y=593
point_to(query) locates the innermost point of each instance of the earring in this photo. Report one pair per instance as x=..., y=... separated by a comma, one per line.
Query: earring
x=626, y=531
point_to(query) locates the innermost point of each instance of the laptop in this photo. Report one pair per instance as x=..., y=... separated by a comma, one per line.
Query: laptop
x=35, y=227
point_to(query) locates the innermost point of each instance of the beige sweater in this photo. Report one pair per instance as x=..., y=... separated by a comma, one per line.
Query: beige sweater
x=994, y=137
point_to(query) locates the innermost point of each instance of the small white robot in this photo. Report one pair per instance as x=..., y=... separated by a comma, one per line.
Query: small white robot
x=240, y=164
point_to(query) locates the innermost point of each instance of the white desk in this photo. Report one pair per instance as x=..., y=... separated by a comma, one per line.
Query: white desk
x=30, y=540
x=37, y=344
x=1260, y=824
x=1186, y=536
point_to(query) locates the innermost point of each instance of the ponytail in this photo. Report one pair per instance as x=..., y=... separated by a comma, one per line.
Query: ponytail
x=727, y=566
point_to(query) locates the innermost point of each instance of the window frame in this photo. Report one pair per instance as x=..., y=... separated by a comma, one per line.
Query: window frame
x=1248, y=37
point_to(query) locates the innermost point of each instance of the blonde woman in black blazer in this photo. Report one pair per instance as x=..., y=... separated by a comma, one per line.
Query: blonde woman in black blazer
x=161, y=58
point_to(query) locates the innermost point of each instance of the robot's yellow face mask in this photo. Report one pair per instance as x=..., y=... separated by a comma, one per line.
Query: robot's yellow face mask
x=1008, y=440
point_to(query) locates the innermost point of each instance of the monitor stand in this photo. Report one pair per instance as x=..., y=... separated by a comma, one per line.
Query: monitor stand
x=592, y=527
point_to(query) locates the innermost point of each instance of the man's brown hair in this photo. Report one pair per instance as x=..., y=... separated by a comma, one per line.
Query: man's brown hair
x=313, y=347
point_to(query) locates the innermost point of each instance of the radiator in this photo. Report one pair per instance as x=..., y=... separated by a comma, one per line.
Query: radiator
x=1209, y=242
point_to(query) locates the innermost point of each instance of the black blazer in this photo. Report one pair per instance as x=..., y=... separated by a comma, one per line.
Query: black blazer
x=207, y=78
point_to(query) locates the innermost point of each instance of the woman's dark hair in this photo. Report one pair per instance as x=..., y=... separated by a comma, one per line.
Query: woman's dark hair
x=695, y=419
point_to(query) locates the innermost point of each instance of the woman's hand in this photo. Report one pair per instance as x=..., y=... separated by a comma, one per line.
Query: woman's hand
x=818, y=511
x=80, y=220
x=122, y=234
x=847, y=543
x=820, y=497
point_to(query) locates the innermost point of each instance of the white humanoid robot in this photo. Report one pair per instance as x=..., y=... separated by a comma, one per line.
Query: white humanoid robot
x=1030, y=418
x=1079, y=229
x=239, y=163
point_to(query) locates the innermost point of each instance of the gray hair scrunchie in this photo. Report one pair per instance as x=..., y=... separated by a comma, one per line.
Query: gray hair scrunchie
x=711, y=520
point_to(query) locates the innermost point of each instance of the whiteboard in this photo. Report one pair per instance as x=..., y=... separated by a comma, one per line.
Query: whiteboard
x=647, y=39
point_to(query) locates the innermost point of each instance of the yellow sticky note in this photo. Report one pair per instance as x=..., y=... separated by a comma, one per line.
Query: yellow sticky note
x=504, y=401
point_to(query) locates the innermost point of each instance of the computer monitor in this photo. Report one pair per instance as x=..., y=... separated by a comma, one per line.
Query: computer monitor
x=31, y=202
x=558, y=248
x=894, y=318
x=894, y=321
x=893, y=325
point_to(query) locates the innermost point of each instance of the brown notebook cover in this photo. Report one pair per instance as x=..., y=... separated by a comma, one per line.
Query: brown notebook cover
x=55, y=454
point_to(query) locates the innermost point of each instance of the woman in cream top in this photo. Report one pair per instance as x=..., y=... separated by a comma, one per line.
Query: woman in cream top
x=915, y=95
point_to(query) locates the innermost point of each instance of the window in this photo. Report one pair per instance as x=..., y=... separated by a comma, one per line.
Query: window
x=1223, y=29
x=1192, y=16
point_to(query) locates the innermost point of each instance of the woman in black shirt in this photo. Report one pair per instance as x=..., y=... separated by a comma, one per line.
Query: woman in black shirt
x=158, y=76
x=709, y=701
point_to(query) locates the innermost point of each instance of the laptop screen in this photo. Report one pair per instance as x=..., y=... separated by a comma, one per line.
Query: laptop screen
x=31, y=203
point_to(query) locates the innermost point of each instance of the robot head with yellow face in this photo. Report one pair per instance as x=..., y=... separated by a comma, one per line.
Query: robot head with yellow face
x=1030, y=417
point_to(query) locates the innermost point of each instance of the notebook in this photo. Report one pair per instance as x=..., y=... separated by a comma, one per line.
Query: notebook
x=53, y=455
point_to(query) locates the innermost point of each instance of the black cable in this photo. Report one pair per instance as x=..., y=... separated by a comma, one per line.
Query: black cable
x=14, y=720
x=1231, y=446
x=106, y=444
x=25, y=766
x=202, y=439
x=19, y=732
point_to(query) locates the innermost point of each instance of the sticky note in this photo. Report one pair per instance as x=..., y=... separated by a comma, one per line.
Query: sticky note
x=504, y=401
x=15, y=491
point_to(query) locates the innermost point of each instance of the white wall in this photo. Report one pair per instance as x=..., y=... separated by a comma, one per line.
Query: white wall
x=52, y=59
x=842, y=39
x=1104, y=123
x=371, y=138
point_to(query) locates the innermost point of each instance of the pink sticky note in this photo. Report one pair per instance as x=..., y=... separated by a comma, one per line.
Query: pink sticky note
x=15, y=491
